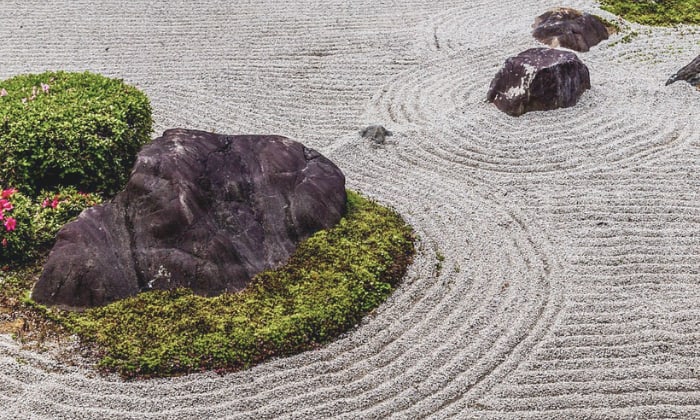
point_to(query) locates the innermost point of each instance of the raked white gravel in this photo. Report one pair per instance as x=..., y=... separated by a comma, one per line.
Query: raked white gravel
x=570, y=286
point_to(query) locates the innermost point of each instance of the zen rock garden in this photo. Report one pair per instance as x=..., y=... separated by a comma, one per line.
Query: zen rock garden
x=208, y=211
x=195, y=219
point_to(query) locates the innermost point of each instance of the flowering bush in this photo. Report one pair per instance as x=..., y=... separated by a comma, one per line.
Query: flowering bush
x=29, y=226
x=15, y=242
x=70, y=129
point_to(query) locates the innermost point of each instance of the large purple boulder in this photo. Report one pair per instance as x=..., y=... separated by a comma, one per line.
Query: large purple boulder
x=539, y=79
x=200, y=210
x=569, y=28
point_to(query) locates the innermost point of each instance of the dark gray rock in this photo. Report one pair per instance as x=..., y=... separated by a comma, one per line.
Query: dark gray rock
x=539, y=79
x=200, y=210
x=376, y=133
x=689, y=73
x=569, y=28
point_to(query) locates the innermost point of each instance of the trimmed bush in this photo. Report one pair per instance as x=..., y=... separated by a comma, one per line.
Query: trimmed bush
x=29, y=226
x=334, y=278
x=70, y=129
x=650, y=12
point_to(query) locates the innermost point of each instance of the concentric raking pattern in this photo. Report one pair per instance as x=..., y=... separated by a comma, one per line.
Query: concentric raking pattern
x=558, y=273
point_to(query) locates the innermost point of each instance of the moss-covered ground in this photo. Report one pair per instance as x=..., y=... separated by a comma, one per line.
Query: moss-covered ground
x=656, y=12
x=335, y=278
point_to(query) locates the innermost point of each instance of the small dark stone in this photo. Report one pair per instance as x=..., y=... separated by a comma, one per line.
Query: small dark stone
x=569, y=28
x=200, y=210
x=689, y=73
x=376, y=133
x=539, y=79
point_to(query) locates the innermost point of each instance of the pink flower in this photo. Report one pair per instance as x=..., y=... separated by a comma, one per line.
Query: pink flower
x=3, y=92
x=8, y=192
x=45, y=203
x=10, y=224
x=5, y=204
x=54, y=203
x=4, y=242
x=45, y=87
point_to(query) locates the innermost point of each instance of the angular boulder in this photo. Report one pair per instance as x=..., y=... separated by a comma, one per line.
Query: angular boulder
x=689, y=73
x=569, y=28
x=539, y=79
x=200, y=210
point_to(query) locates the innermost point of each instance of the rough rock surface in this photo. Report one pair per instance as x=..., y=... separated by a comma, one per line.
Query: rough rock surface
x=689, y=73
x=539, y=79
x=376, y=133
x=200, y=210
x=569, y=28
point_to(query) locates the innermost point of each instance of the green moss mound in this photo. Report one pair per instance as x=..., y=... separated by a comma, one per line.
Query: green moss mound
x=334, y=278
x=655, y=12
x=70, y=129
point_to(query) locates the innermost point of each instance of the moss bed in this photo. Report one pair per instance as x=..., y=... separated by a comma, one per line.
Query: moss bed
x=655, y=12
x=335, y=278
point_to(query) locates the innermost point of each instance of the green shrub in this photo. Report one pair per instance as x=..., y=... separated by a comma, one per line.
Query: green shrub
x=333, y=279
x=655, y=12
x=29, y=226
x=70, y=129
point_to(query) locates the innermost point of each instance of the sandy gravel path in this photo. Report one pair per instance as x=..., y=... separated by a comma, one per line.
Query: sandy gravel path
x=570, y=286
